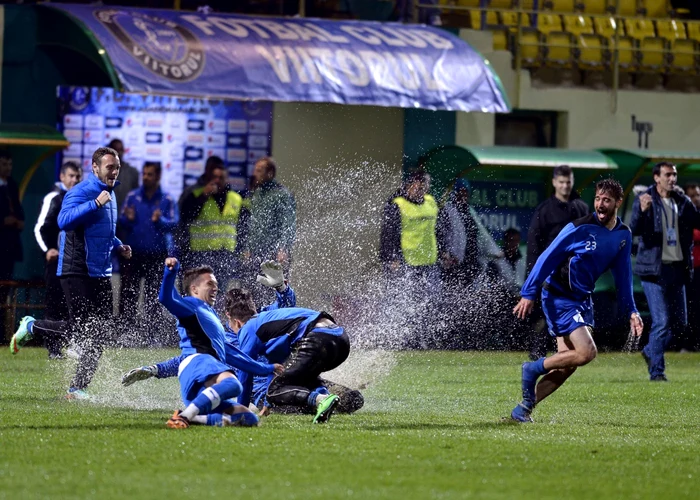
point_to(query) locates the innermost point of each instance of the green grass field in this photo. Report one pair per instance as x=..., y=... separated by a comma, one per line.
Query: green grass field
x=430, y=429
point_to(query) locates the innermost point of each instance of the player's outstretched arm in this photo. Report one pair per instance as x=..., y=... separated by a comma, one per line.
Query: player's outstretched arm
x=137, y=374
x=523, y=308
x=169, y=296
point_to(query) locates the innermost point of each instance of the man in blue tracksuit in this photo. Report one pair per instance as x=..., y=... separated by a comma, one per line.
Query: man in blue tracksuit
x=567, y=272
x=207, y=383
x=87, y=220
x=664, y=220
x=147, y=221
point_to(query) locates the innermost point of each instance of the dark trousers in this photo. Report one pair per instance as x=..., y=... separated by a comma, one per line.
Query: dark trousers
x=7, y=267
x=351, y=400
x=90, y=323
x=692, y=333
x=150, y=268
x=55, y=302
x=314, y=354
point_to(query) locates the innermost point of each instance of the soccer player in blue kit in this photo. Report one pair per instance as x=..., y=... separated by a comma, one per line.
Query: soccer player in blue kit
x=567, y=272
x=207, y=383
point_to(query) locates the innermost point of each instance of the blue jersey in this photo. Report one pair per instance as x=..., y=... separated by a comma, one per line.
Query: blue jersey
x=170, y=367
x=272, y=334
x=200, y=330
x=578, y=256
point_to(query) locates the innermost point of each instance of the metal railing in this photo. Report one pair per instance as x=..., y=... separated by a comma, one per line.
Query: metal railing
x=23, y=296
x=516, y=35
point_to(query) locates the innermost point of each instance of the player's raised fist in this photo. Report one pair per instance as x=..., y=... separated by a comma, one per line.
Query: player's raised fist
x=170, y=263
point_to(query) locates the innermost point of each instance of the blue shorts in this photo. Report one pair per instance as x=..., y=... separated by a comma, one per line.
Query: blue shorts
x=564, y=314
x=194, y=371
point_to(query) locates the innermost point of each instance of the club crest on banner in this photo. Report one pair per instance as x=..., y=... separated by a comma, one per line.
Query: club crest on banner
x=160, y=45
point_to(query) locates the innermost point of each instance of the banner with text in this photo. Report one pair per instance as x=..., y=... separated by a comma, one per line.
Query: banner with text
x=505, y=205
x=283, y=59
x=180, y=133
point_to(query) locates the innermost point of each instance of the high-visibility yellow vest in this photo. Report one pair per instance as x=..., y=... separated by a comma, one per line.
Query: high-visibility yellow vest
x=418, y=225
x=215, y=229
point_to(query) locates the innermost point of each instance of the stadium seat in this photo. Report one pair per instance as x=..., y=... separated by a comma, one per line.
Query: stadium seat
x=628, y=55
x=463, y=3
x=654, y=52
x=546, y=23
x=627, y=7
x=475, y=17
x=639, y=28
x=559, y=49
x=605, y=26
x=693, y=31
x=670, y=29
x=531, y=48
x=595, y=6
x=500, y=37
x=655, y=8
x=510, y=18
x=591, y=52
x=684, y=55
x=501, y=4
x=559, y=5
x=578, y=25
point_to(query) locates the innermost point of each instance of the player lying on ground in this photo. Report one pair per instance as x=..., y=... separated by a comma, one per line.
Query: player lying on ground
x=271, y=276
x=567, y=272
x=207, y=383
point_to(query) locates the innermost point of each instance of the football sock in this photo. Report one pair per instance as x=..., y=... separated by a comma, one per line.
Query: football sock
x=211, y=397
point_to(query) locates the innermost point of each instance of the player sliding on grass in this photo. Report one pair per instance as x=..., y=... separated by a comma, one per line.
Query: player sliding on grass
x=567, y=272
x=207, y=383
x=271, y=276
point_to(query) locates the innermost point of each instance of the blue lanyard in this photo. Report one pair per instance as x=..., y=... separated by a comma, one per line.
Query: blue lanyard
x=673, y=213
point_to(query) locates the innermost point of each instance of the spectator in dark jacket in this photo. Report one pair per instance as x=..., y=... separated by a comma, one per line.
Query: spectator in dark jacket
x=148, y=219
x=11, y=225
x=128, y=175
x=88, y=221
x=46, y=232
x=692, y=340
x=550, y=217
x=664, y=220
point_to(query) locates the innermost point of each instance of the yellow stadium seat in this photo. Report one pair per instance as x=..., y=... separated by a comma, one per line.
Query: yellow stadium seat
x=590, y=52
x=559, y=49
x=578, y=25
x=464, y=3
x=547, y=23
x=670, y=29
x=595, y=6
x=559, y=5
x=501, y=4
x=639, y=28
x=655, y=8
x=605, y=26
x=693, y=31
x=627, y=7
x=531, y=48
x=628, y=53
x=684, y=55
x=510, y=18
x=475, y=16
x=654, y=53
x=500, y=38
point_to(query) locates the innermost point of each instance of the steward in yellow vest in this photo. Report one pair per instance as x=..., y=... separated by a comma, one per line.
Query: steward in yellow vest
x=410, y=227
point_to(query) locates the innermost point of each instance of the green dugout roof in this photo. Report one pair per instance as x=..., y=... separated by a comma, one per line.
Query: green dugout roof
x=31, y=135
x=508, y=156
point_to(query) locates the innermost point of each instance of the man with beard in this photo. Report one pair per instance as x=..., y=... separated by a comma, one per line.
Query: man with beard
x=549, y=219
x=567, y=272
x=664, y=220
x=88, y=220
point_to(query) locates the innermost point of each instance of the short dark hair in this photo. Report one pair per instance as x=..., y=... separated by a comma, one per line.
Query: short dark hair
x=657, y=168
x=5, y=154
x=419, y=175
x=153, y=164
x=113, y=142
x=562, y=170
x=511, y=231
x=239, y=304
x=70, y=165
x=270, y=165
x=101, y=153
x=192, y=275
x=610, y=186
x=213, y=162
x=691, y=185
